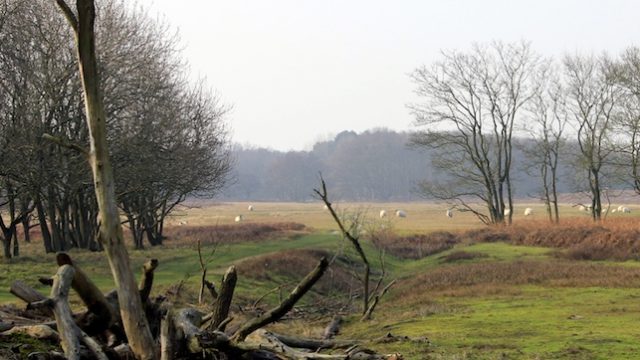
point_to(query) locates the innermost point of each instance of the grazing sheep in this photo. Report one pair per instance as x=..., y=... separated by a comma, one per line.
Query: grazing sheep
x=582, y=208
x=383, y=213
x=449, y=213
x=250, y=208
x=528, y=211
x=620, y=207
x=613, y=211
x=626, y=210
x=325, y=207
x=401, y=213
x=183, y=222
x=507, y=212
x=238, y=218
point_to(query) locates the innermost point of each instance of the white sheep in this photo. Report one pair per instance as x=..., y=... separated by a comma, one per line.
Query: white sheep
x=613, y=211
x=449, y=213
x=626, y=210
x=528, y=211
x=383, y=213
x=582, y=208
x=250, y=207
x=620, y=207
x=401, y=213
x=238, y=218
x=507, y=212
x=183, y=222
x=325, y=207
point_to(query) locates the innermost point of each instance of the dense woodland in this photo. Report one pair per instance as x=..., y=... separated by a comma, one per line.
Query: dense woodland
x=375, y=165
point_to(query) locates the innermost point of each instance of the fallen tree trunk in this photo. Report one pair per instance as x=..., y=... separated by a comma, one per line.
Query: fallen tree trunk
x=286, y=305
x=313, y=344
x=262, y=340
x=29, y=295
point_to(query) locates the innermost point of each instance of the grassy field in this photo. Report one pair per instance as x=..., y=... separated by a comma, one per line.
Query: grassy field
x=498, y=301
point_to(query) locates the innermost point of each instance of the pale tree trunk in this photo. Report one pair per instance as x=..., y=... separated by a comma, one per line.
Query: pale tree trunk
x=133, y=318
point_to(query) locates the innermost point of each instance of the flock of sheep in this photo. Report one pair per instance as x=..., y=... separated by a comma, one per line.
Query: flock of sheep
x=527, y=212
x=621, y=209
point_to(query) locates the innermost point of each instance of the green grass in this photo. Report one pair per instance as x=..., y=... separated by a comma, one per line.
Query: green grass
x=537, y=323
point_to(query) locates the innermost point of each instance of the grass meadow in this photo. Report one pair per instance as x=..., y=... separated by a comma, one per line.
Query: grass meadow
x=529, y=291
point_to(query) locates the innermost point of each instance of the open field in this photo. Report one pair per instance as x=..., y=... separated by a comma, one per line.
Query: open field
x=473, y=300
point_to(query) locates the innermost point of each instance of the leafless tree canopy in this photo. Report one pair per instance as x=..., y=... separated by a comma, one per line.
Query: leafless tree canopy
x=472, y=102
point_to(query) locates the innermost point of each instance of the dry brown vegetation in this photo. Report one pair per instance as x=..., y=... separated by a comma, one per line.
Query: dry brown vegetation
x=415, y=246
x=579, y=239
x=231, y=234
x=293, y=263
x=482, y=277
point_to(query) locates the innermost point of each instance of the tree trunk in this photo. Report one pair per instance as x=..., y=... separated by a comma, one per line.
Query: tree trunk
x=133, y=317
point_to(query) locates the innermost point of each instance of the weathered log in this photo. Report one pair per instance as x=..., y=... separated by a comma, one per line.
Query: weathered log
x=146, y=282
x=287, y=304
x=101, y=315
x=70, y=333
x=69, y=339
x=187, y=322
x=333, y=328
x=223, y=303
x=28, y=294
x=264, y=340
x=314, y=344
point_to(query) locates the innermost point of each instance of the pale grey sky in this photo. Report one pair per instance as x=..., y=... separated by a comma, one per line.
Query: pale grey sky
x=296, y=71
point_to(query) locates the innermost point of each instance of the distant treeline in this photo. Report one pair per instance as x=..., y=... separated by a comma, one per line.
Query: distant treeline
x=376, y=165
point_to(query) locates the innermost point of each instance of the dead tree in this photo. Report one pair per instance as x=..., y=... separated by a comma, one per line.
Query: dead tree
x=367, y=308
x=110, y=235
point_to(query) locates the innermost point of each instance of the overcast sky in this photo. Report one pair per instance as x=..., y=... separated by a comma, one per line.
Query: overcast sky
x=298, y=71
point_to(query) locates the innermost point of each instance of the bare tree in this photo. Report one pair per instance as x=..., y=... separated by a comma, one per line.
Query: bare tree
x=472, y=103
x=547, y=130
x=592, y=96
x=133, y=317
